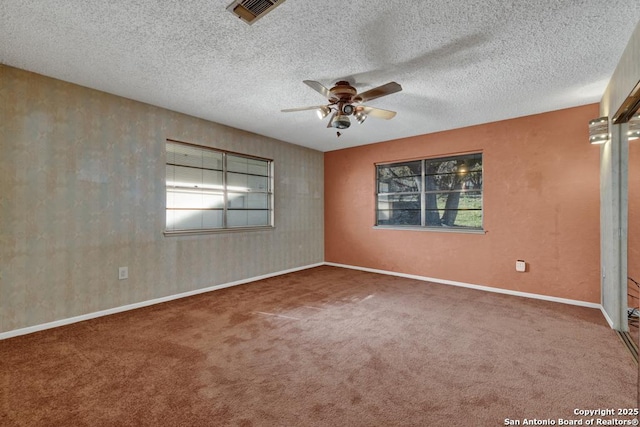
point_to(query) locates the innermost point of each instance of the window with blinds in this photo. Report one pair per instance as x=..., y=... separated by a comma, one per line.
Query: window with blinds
x=209, y=189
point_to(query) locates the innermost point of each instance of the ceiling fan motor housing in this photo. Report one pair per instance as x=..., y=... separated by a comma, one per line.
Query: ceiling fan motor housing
x=343, y=91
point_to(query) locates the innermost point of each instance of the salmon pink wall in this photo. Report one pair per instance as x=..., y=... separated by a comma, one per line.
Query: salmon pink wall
x=541, y=204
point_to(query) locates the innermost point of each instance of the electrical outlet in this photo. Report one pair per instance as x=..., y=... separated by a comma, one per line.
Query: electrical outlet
x=123, y=273
x=521, y=266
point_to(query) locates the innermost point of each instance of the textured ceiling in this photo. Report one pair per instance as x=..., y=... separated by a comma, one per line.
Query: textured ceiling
x=460, y=62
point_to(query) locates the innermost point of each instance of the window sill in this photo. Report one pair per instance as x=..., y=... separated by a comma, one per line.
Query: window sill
x=434, y=229
x=216, y=231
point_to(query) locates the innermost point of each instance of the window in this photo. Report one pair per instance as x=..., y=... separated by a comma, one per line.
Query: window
x=211, y=189
x=442, y=192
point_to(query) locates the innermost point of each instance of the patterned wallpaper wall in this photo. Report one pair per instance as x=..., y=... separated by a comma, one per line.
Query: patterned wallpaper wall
x=82, y=193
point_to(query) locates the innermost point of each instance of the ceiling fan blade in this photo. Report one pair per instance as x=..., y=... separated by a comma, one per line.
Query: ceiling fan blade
x=377, y=112
x=318, y=87
x=377, y=92
x=291, y=110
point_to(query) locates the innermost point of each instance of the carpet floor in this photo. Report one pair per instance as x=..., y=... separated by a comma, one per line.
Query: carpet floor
x=321, y=347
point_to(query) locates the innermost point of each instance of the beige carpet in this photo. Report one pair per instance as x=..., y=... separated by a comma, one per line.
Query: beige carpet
x=321, y=347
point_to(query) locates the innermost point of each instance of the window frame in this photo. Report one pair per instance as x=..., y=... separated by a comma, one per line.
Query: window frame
x=422, y=192
x=225, y=191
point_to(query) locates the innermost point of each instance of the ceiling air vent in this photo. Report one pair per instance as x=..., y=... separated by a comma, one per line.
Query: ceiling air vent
x=252, y=10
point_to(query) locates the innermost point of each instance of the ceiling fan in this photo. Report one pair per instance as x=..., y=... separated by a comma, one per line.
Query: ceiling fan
x=344, y=101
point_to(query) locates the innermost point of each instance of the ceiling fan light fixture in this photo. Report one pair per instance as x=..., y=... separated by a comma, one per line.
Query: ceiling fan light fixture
x=360, y=117
x=347, y=109
x=323, y=112
x=340, y=121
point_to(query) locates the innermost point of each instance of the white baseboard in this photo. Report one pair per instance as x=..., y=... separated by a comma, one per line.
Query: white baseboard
x=607, y=318
x=472, y=286
x=70, y=320
x=75, y=319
